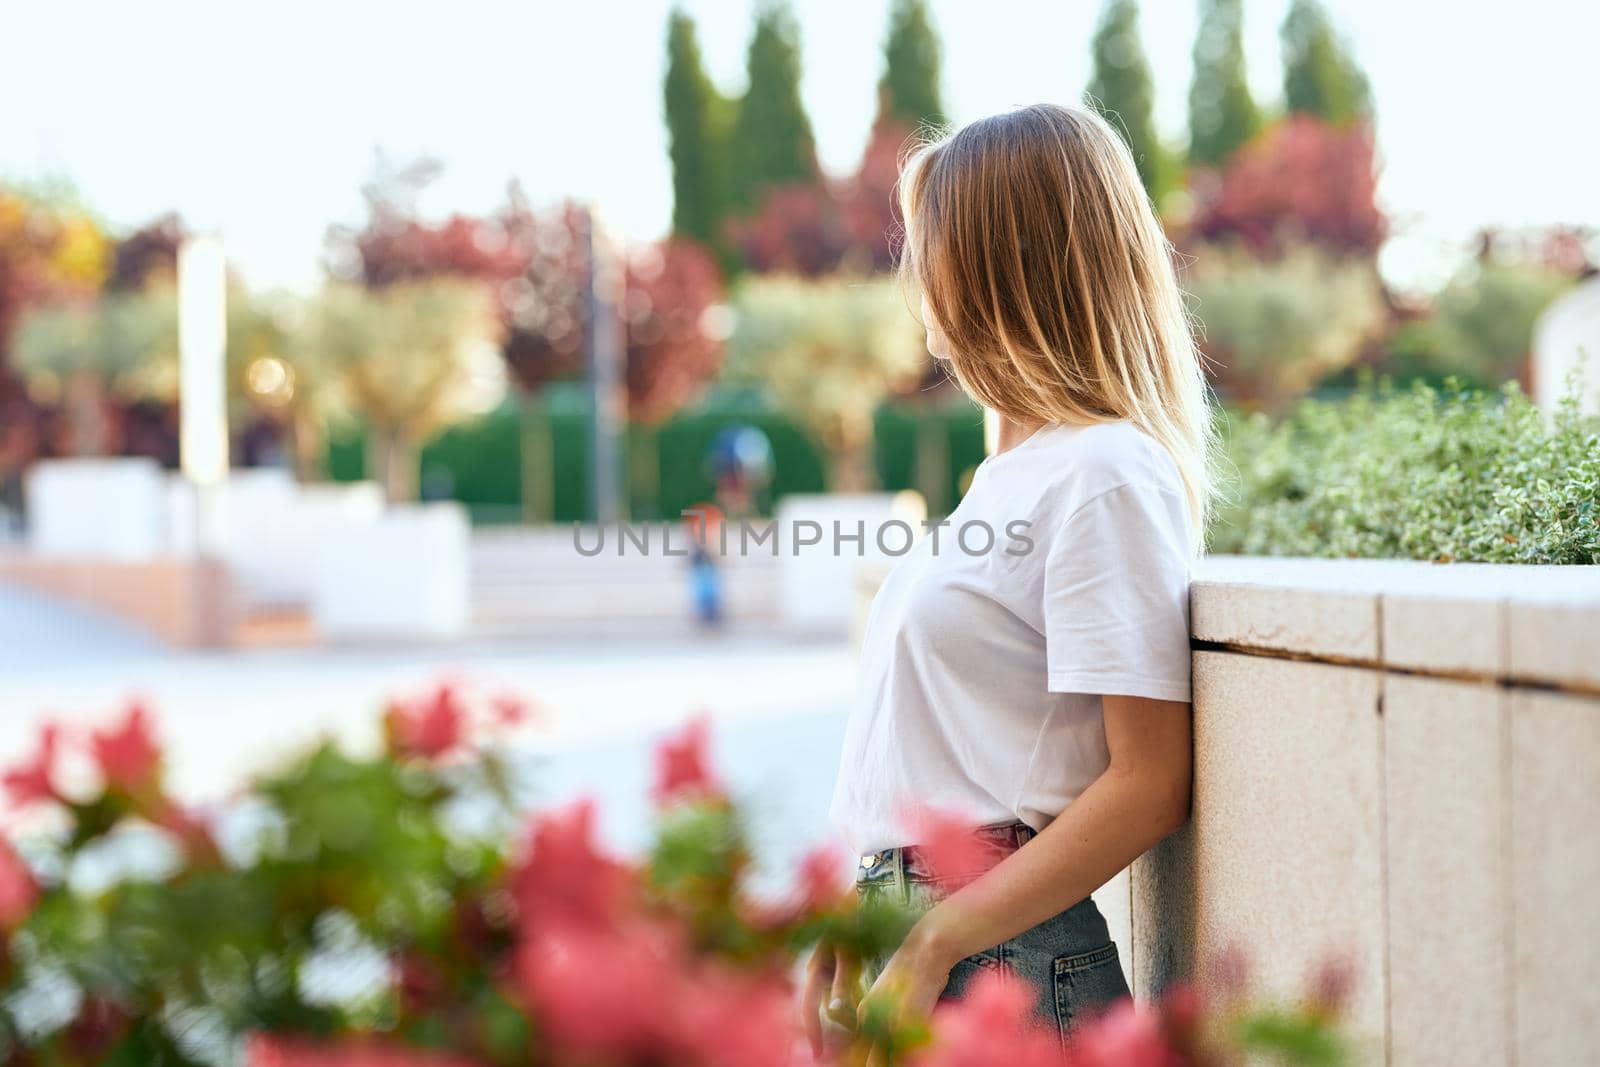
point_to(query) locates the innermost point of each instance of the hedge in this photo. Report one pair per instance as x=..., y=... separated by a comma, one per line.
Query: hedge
x=480, y=462
x=1425, y=473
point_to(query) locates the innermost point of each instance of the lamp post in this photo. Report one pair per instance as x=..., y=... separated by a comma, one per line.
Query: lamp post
x=203, y=417
x=202, y=361
x=604, y=355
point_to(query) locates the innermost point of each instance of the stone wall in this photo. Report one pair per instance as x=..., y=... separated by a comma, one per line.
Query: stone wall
x=1397, y=763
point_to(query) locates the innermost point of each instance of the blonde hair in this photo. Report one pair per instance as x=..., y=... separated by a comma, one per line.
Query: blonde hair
x=1044, y=265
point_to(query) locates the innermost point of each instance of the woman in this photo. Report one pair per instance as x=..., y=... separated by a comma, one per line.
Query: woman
x=1038, y=689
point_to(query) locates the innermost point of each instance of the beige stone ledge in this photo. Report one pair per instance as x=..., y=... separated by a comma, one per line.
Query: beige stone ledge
x=1555, y=807
x=1445, y=782
x=1282, y=857
x=1519, y=624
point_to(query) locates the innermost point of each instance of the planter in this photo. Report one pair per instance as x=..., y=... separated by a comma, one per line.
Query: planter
x=402, y=574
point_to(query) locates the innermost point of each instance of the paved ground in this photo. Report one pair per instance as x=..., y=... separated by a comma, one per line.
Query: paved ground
x=777, y=706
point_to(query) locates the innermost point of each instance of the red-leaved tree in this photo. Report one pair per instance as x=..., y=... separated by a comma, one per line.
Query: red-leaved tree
x=812, y=229
x=1302, y=180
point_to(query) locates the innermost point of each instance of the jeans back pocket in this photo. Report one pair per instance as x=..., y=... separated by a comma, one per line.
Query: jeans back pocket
x=1086, y=984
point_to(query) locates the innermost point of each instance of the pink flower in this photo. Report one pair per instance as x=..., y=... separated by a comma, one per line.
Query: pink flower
x=18, y=891
x=602, y=993
x=128, y=755
x=951, y=846
x=429, y=728
x=632, y=993
x=733, y=1019
x=822, y=878
x=994, y=1023
x=682, y=766
x=1226, y=974
x=1125, y=1036
x=272, y=1050
x=1331, y=985
x=510, y=709
x=565, y=877
x=32, y=782
x=192, y=829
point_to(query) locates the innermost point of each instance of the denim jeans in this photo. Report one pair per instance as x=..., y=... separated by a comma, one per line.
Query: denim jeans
x=1069, y=959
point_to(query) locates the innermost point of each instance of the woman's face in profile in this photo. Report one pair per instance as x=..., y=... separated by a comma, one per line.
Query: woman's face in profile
x=938, y=346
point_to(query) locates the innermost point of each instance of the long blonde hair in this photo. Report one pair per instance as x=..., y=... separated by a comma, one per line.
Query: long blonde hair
x=1043, y=263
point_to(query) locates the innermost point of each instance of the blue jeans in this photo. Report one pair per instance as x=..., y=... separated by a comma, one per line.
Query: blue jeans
x=1069, y=959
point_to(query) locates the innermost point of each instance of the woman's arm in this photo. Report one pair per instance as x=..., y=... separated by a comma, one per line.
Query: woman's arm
x=1141, y=798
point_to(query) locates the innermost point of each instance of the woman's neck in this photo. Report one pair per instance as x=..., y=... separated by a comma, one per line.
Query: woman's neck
x=1013, y=433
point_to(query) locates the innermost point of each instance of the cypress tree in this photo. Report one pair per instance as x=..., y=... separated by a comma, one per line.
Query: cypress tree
x=693, y=110
x=909, y=91
x=1120, y=89
x=1222, y=115
x=772, y=142
x=1320, y=77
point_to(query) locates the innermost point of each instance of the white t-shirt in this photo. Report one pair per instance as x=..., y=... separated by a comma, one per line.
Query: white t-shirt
x=986, y=656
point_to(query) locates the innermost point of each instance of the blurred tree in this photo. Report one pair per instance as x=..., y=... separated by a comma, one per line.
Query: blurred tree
x=1302, y=180
x=148, y=255
x=1275, y=329
x=395, y=244
x=671, y=295
x=771, y=143
x=1320, y=76
x=1222, y=114
x=675, y=328
x=909, y=91
x=50, y=249
x=828, y=352
x=411, y=358
x=868, y=203
x=1481, y=329
x=697, y=137
x=84, y=353
x=797, y=230
x=1120, y=89
x=671, y=310
x=280, y=378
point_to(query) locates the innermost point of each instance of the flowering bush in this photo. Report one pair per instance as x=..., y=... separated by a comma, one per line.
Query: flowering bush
x=1423, y=474
x=349, y=911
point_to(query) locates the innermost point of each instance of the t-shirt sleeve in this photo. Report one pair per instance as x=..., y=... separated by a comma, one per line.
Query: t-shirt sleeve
x=1116, y=597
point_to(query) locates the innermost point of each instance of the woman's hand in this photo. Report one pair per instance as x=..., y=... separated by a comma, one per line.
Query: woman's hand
x=915, y=975
x=832, y=983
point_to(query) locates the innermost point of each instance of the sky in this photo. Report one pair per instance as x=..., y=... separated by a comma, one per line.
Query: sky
x=260, y=121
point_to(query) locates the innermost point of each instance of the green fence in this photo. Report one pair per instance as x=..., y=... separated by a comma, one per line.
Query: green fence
x=480, y=463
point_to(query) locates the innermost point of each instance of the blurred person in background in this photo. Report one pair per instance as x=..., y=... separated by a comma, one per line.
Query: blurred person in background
x=704, y=526
x=1041, y=695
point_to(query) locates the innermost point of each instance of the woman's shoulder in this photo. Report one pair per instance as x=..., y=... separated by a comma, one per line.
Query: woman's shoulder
x=1083, y=462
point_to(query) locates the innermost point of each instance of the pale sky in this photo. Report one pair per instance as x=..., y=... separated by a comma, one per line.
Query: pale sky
x=260, y=120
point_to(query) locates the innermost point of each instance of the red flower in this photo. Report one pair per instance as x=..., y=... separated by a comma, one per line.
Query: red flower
x=510, y=709
x=272, y=1050
x=99, y=1026
x=18, y=891
x=682, y=766
x=31, y=783
x=993, y=1023
x=565, y=877
x=129, y=758
x=1331, y=985
x=603, y=993
x=732, y=1019
x=951, y=845
x=191, y=828
x=429, y=728
x=1125, y=1036
x=822, y=878
x=632, y=993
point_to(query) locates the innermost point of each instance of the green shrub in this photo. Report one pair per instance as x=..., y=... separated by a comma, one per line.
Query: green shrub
x=1274, y=329
x=1421, y=474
